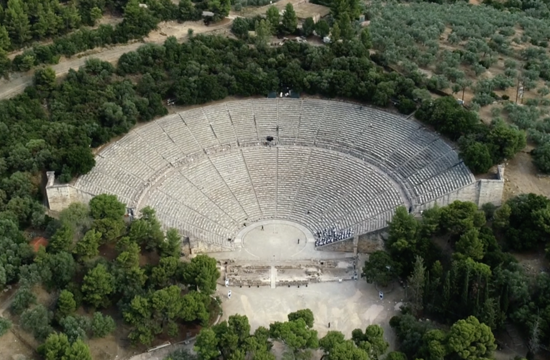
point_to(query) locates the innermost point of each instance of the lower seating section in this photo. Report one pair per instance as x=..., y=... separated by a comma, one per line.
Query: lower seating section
x=332, y=165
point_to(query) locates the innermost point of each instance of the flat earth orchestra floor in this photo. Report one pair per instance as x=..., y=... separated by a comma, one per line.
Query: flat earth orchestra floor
x=347, y=305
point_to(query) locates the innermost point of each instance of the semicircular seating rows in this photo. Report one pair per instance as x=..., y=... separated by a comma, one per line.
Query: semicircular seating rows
x=209, y=171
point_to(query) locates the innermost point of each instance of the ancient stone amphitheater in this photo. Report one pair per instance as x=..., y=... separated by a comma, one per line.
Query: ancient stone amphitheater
x=210, y=170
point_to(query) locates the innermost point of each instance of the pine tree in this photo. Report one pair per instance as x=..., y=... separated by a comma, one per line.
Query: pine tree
x=40, y=27
x=366, y=38
x=66, y=304
x=335, y=34
x=446, y=294
x=17, y=23
x=272, y=15
x=263, y=31
x=416, y=285
x=290, y=21
x=465, y=288
x=346, y=29
x=5, y=42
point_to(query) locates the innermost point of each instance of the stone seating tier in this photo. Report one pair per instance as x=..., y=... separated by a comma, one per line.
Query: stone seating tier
x=209, y=171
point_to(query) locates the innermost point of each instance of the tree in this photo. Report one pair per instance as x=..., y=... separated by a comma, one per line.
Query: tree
x=415, y=285
x=75, y=327
x=76, y=215
x=541, y=157
x=295, y=334
x=528, y=221
x=44, y=80
x=470, y=245
x=341, y=7
x=5, y=326
x=366, y=38
x=66, y=305
x=262, y=31
x=273, y=16
x=469, y=339
x=79, y=160
x=233, y=336
x=336, y=34
x=106, y=206
x=98, y=284
x=171, y=247
x=220, y=8
x=17, y=22
x=110, y=229
x=461, y=216
x=22, y=299
x=308, y=27
x=138, y=21
x=88, y=247
x=410, y=333
x=37, y=321
x=56, y=270
x=504, y=141
x=165, y=273
x=78, y=351
x=372, y=340
x=57, y=346
x=330, y=340
x=54, y=347
x=62, y=240
x=201, y=273
x=5, y=63
x=102, y=325
x=181, y=354
x=476, y=156
x=322, y=28
x=396, y=355
x=206, y=345
x=5, y=43
x=289, y=22
x=147, y=230
x=380, y=268
x=239, y=27
x=304, y=314
x=336, y=347
x=346, y=30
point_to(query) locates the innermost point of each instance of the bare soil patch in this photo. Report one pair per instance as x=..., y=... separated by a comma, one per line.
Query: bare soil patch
x=521, y=177
x=303, y=9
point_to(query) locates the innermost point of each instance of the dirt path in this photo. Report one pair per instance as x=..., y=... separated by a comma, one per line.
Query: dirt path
x=19, y=81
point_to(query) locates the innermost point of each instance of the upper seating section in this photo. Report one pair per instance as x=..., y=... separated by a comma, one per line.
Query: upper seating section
x=208, y=170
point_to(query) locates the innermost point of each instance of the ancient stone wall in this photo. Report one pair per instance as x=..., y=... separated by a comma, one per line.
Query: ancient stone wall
x=490, y=191
x=481, y=192
x=60, y=196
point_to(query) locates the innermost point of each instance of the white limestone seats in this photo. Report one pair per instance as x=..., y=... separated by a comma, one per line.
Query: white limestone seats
x=208, y=170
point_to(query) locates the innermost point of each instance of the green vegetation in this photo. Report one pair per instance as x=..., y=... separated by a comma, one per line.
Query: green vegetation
x=157, y=297
x=232, y=339
x=32, y=20
x=450, y=47
x=473, y=283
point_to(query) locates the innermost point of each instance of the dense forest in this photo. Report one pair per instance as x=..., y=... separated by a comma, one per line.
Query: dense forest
x=27, y=21
x=456, y=265
x=145, y=280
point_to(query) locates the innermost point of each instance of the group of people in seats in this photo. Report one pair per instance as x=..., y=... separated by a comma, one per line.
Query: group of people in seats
x=330, y=235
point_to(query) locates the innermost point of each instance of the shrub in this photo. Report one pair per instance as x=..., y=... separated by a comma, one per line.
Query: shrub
x=102, y=325
x=541, y=158
x=5, y=325
x=22, y=300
